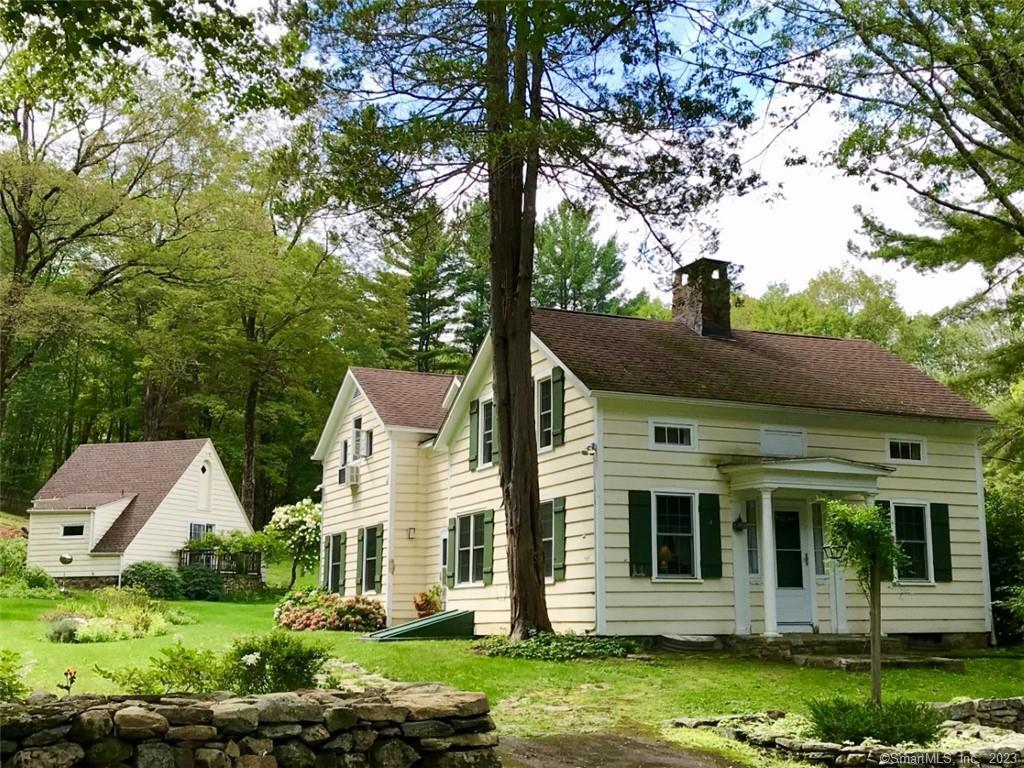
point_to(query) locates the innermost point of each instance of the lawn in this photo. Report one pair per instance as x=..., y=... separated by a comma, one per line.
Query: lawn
x=530, y=697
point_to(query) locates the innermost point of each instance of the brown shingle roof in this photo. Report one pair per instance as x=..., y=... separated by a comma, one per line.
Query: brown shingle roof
x=79, y=501
x=663, y=357
x=405, y=398
x=147, y=470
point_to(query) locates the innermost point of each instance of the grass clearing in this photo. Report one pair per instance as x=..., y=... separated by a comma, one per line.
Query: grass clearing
x=12, y=520
x=530, y=698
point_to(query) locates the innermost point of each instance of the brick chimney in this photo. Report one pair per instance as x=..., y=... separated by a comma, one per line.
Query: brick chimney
x=700, y=297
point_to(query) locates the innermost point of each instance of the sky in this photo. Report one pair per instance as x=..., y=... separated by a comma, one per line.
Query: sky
x=794, y=237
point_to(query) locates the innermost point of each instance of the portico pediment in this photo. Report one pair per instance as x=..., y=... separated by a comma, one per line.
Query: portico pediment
x=820, y=473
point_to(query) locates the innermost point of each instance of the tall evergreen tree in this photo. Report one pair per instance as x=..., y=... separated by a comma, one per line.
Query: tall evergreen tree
x=471, y=230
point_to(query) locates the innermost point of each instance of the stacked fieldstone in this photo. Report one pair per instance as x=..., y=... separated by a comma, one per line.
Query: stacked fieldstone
x=427, y=726
x=995, y=713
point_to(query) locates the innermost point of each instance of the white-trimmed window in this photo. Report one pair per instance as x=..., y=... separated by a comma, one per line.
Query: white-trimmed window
x=371, y=553
x=675, y=536
x=753, y=546
x=790, y=442
x=362, y=440
x=73, y=531
x=469, y=550
x=547, y=537
x=196, y=531
x=818, y=535
x=672, y=435
x=486, y=434
x=545, y=409
x=906, y=450
x=444, y=556
x=911, y=527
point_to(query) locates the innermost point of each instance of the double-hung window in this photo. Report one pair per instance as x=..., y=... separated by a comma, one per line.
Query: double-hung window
x=343, y=467
x=371, y=553
x=362, y=440
x=335, y=562
x=469, y=533
x=197, y=531
x=547, y=535
x=675, y=536
x=487, y=433
x=753, y=550
x=544, y=412
x=910, y=524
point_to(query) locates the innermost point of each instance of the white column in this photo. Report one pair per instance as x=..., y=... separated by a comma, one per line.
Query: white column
x=768, y=579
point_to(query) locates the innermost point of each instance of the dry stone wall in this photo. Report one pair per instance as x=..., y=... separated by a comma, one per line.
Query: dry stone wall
x=995, y=713
x=428, y=726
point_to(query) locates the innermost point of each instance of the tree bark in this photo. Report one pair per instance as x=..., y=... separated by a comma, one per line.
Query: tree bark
x=513, y=221
x=252, y=395
x=876, y=633
x=295, y=573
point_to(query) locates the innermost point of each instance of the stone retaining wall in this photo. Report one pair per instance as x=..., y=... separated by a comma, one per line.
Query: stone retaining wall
x=423, y=725
x=995, y=713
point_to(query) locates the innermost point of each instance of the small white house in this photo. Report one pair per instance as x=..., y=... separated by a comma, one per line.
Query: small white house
x=114, y=504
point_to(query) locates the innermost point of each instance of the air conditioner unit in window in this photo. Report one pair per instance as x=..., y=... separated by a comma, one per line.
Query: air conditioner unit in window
x=352, y=474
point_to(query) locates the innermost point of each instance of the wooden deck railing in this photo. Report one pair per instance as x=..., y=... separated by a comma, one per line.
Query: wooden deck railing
x=241, y=564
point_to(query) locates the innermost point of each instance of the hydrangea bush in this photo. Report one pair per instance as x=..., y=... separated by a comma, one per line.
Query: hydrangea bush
x=316, y=609
x=297, y=527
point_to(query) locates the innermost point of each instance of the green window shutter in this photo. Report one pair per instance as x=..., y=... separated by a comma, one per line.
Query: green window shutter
x=449, y=571
x=886, y=509
x=557, y=406
x=380, y=555
x=710, y=536
x=342, y=543
x=558, y=538
x=488, y=546
x=474, y=432
x=640, y=546
x=359, y=562
x=942, y=555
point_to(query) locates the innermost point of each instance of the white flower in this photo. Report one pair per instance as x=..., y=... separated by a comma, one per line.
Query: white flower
x=251, y=659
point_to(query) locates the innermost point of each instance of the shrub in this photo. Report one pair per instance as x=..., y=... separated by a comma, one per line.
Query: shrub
x=159, y=580
x=16, y=585
x=199, y=583
x=896, y=721
x=36, y=578
x=273, y=662
x=12, y=686
x=175, y=668
x=315, y=608
x=548, y=646
x=13, y=555
x=112, y=614
x=429, y=602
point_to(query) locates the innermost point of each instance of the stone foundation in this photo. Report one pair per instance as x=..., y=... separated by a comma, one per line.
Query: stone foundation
x=790, y=645
x=86, y=582
x=423, y=725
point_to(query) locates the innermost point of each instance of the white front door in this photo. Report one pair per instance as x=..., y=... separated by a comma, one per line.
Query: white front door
x=793, y=598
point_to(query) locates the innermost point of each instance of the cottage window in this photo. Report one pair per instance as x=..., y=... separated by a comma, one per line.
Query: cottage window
x=335, y=564
x=197, y=531
x=544, y=411
x=371, y=552
x=675, y=536
x=470, y=549
x=910, y=525
x=906, y=450
x=668, y=434
x=73, y=530
x=487, y=433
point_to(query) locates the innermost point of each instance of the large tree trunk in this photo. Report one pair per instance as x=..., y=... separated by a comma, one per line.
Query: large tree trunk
x=252, y=395
x=876, y=633
x=513, y=220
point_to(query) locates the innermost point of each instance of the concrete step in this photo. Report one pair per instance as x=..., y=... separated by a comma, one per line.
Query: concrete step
x=677, y=643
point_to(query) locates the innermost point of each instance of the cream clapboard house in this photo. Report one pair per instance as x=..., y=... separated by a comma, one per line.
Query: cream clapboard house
x=113, y=504
x=682, y=471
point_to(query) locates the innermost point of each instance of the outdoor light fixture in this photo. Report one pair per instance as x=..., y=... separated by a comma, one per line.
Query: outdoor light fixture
x=834, y=551
x=412, y=533
x=740, y=525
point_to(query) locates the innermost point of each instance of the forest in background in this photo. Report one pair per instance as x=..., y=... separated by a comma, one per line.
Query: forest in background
x=188, y=250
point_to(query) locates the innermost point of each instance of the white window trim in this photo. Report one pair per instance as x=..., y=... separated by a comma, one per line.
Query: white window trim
x=907, y=439
x=188, y=528
x=536, y=414
x=765, y=428
x=85, y=528
x=695, y=514
x=821, y=578
x=665, y=421
x=362, y=565
x=443, y=569
x=550, y=579
x=755, y=578
x=480, y=463
x=929, y=564
x=472, y=544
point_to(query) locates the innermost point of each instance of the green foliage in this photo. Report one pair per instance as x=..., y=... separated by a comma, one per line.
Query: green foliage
x=110, y=614
x=12, y=685
x=200, y=583
x=297, y=527
x=316, y=609
x=430, y=601
x=156, y=579
x=13, y=554
x=259, y=664
x=897, y=721
x=548, y=646
x=864, y=534
x=276, y=661
x=1004, y=518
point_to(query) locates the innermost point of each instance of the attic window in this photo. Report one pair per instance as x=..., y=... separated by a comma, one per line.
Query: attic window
x=73, y=530
x=202, y=469
x=906, y=450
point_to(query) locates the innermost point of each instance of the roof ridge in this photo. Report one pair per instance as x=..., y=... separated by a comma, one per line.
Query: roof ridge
x=402, y=370
x=809, y=336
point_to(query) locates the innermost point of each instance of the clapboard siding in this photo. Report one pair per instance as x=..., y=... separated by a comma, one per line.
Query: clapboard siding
x=167, y=529
x=640, y=606
x=46, y=544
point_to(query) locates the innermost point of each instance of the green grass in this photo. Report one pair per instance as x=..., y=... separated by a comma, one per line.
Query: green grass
x=11, y=520
x=278, y=575
x=530, y=697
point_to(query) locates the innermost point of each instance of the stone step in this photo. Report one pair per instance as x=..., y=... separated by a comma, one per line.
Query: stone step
x=678, y=643
x=863, y=663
